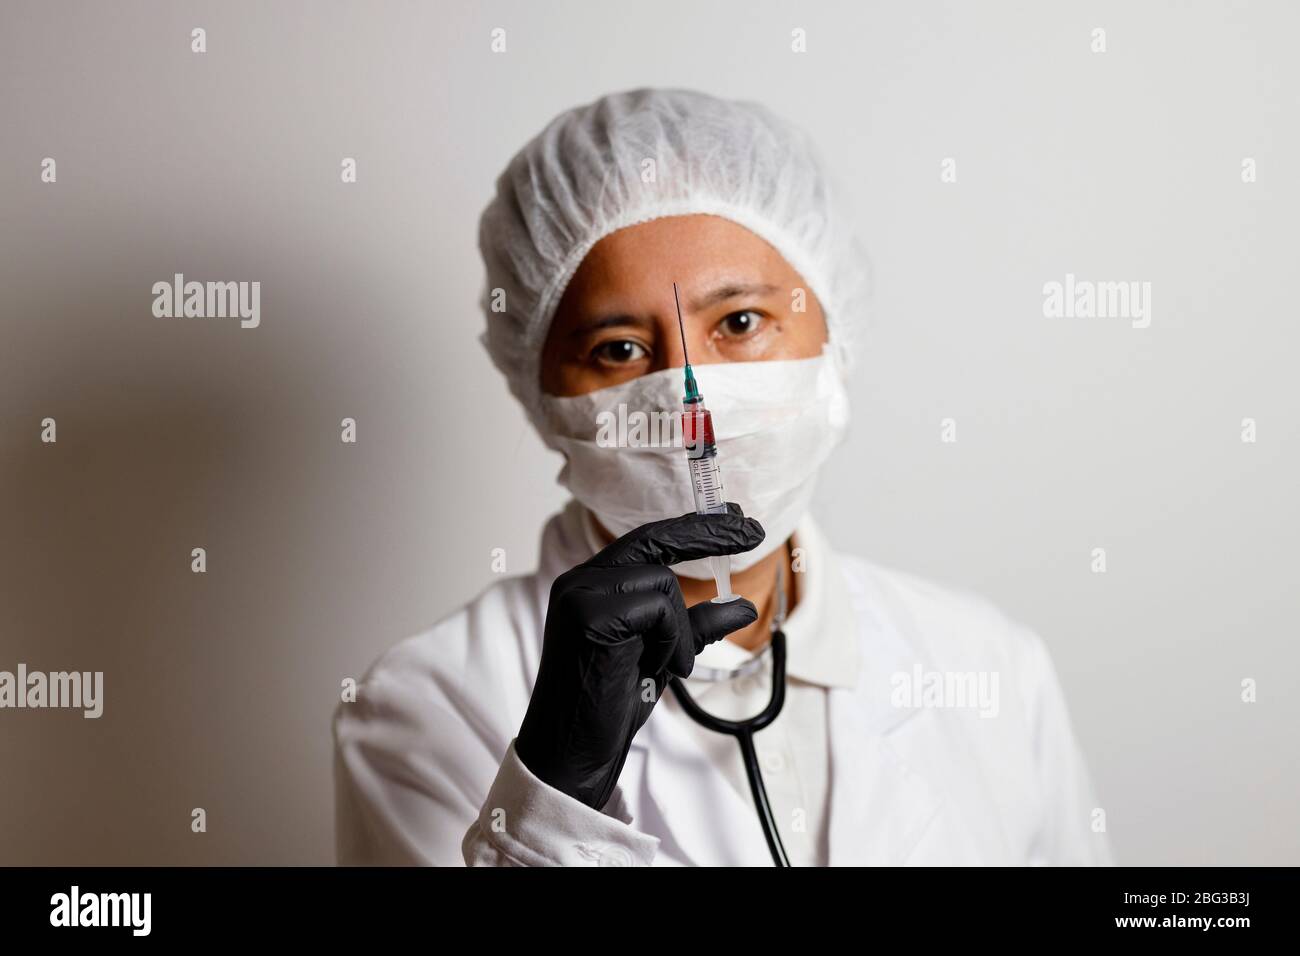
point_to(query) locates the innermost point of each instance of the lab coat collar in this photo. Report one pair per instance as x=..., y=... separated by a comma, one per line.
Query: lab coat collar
x=566, y=541
x=880, y=807
x=819, y=632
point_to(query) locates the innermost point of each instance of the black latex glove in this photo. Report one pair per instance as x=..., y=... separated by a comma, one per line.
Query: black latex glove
x=617, y=629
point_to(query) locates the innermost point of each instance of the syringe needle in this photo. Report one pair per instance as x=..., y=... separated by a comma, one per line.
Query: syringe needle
x=692, y=390
x=686, y=359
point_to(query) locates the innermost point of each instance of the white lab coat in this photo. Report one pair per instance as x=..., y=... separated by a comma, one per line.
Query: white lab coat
x=426, y=771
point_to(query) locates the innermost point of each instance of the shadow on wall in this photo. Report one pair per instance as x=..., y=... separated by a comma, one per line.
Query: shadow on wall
x=175, y=434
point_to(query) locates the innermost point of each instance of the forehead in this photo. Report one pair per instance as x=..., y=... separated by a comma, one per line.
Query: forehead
x=645, y=259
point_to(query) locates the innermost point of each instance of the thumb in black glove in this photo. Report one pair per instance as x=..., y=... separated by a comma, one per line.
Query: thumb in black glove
x=617, y=629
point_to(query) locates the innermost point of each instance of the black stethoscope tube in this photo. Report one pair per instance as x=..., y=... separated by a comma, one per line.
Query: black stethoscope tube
x=743, y=731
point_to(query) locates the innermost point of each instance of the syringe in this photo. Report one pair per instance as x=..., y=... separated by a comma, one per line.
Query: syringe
x=702, y=459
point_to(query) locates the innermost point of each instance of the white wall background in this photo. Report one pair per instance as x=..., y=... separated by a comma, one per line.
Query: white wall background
x=1072, y=434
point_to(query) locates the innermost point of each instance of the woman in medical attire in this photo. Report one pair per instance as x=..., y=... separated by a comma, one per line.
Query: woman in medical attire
x=533, y=727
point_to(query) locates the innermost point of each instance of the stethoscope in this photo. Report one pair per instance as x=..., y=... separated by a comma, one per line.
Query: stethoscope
x=744, y=730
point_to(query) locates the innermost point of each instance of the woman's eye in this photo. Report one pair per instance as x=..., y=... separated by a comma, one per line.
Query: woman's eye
x=740, y=324
x=619, y=352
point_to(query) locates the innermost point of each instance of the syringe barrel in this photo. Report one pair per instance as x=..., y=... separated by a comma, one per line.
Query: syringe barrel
x=702, y=459
x=697, y=430
x=706, y=484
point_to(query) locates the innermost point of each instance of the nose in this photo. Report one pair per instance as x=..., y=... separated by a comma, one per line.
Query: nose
x=671, y=335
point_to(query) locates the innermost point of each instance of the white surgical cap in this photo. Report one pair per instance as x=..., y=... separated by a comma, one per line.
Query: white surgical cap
x=585, y=176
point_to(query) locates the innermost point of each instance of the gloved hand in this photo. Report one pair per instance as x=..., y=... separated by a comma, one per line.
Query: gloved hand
x=617, y=629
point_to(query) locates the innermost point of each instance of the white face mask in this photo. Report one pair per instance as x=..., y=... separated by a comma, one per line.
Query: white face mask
x=775, y=424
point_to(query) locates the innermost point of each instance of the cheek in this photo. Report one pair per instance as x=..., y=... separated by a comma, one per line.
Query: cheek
x=817, y=330
x=578, y=378
x=802, y=336
x=551, y=372
x=561, y=374
x=574, y=379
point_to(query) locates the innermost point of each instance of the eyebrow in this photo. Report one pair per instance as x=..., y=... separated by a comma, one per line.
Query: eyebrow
x=722, y=293
x=606, y=322
x=730, y=290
